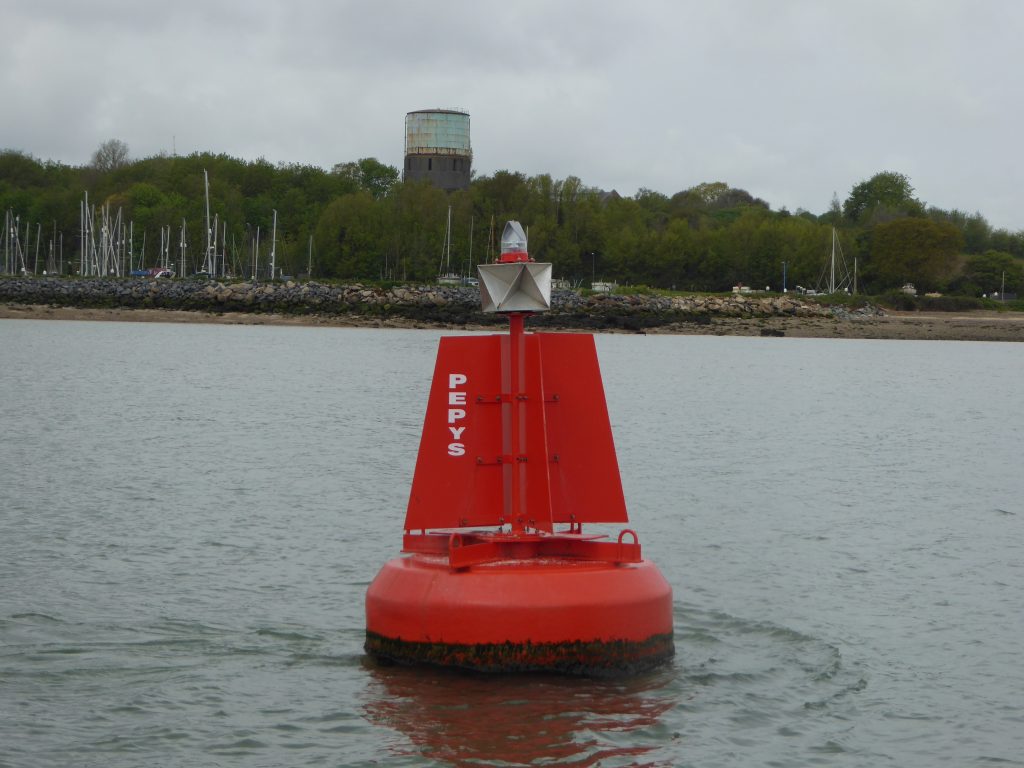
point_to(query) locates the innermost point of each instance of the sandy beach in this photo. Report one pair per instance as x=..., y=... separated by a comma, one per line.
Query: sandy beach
x=963, y=326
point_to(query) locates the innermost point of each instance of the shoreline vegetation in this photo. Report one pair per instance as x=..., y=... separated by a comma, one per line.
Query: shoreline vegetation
x=431, y=306
x=213, y=213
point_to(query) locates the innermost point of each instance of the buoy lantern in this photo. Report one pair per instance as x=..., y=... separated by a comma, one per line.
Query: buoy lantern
x=517, y=441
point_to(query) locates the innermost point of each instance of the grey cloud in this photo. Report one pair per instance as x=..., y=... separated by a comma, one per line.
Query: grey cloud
x=792, y=100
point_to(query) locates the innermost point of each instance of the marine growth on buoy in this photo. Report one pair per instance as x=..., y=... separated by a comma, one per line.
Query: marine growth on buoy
x=516, y=457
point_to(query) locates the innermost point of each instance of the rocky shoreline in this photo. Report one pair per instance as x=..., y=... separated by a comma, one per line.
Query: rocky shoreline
x=432, y=304
x=312, y=303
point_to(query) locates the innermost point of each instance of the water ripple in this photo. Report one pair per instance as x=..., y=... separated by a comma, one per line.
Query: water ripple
x=184, y=585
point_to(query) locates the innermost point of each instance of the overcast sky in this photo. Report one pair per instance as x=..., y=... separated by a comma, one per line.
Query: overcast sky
x=792, y=100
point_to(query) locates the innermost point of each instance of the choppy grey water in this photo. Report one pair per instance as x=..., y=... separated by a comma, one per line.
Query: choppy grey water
x=189, y=517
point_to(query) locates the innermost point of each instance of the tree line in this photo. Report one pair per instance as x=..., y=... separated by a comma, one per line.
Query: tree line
x=359, y=221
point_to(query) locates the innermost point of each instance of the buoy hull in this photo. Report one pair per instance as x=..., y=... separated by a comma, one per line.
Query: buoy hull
x=579, y=617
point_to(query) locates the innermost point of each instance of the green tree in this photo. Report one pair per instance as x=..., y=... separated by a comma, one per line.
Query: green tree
x=656, y=205
x=415, y=217
x=689, y=206
x=672, y=255
x=349, y=235
x=110, y=155
x=834, y=215
x=991, y=270
x=369, y=174
x=709, y=193
x=20, y=171
x=917, y=251
x=505, y=195
x=1012, y=243
x=886, y=193
x=977, y=234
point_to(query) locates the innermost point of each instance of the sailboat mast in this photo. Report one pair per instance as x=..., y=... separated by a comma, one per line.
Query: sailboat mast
x=25, y=249
x=81, y=223
x=256, y=254
x=490, y=242
x=208, y=262
x=39, y=236
x=832, y=265
x=183, y=251
x=273, y=249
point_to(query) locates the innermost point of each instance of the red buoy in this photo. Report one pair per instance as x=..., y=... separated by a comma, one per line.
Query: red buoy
x=517, y=441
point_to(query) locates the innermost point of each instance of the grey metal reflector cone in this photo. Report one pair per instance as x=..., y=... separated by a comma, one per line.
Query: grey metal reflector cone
x=522, y=286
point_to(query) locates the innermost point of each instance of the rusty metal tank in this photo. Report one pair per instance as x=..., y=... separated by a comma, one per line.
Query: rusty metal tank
x=438, y=149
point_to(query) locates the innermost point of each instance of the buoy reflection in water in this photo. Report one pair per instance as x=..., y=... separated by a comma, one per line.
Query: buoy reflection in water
x=468, y=719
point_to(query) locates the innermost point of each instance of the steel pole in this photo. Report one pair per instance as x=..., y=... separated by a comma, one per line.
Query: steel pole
x=515, y=348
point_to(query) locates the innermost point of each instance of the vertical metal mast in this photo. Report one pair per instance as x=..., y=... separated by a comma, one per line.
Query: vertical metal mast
x=273, y=248
x=517, y=286
x=516, y=323
x=208, y=262
x=81, y=228
x=39, y=236
x=183, y=246
x=832, y=265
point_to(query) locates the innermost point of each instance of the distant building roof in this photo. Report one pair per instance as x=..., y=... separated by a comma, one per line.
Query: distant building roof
x=438, y=110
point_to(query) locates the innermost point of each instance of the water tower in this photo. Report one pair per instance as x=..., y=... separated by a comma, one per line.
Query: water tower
x=437, y=148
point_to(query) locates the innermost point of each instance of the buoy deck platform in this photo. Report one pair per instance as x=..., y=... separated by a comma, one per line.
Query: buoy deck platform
x=502, y=603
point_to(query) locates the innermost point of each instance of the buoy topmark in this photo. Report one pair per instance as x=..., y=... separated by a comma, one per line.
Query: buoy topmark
x=517, y=441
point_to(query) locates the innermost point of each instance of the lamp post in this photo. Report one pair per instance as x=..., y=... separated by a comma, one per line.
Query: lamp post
x=783, y=277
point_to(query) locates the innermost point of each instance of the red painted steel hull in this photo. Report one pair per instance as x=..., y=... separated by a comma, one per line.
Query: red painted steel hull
x=516, y=439
x=539, y=614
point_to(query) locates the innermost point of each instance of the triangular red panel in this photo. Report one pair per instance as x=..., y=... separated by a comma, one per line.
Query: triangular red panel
x=585, y=482
x=450, y=488
x=465, y=467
